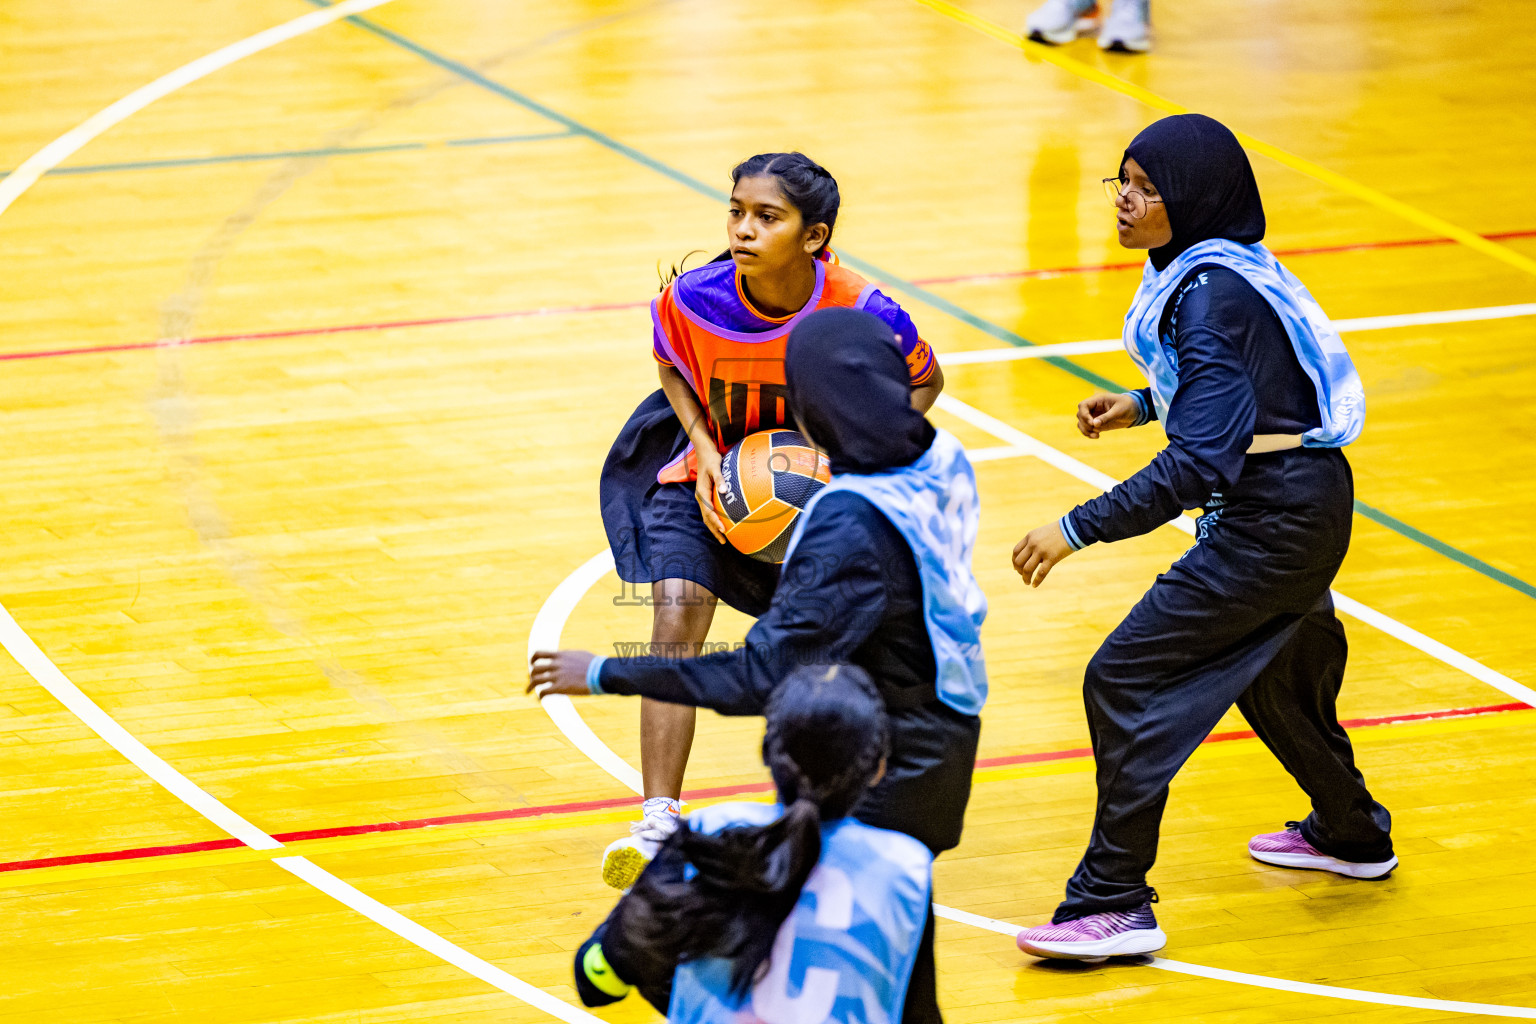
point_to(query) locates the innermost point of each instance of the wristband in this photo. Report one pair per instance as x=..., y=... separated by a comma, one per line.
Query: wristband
x=594, y=674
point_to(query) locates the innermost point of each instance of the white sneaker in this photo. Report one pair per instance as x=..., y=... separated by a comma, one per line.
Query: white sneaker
x=1059, y=22
x=626, y=858
x=1128, y=28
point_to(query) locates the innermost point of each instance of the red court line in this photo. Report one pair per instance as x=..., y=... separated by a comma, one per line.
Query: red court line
x=1246, y=734
x=1321, y=250
x=305, y=332
x=519, y=812
x=133, y=854
x=625, y=801
x=520, y=314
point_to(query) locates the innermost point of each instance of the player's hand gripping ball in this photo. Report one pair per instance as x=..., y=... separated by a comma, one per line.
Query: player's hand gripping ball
x=768, y=479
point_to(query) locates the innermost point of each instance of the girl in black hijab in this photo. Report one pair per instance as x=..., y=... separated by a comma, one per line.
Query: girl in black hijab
x=1257, y=396
x=877, y=575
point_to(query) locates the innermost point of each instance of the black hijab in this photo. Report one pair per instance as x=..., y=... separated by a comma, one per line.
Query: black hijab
x=1204, y=177
x=849, y=385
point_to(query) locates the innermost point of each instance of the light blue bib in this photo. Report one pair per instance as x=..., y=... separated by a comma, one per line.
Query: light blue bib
x=932, y=502
x=1340, y=396
x=845, y=953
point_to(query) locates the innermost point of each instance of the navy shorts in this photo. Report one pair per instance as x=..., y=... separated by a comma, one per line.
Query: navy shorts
x=656, y=530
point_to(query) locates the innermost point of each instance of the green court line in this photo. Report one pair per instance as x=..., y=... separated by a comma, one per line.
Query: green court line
x=497, y=140
x=871, y=270
x=1413, y=533
x=289, y=154
x=689, y=181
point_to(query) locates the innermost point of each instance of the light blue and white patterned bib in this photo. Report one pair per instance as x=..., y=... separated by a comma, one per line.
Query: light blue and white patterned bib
x=932, y=502
x=1340, y=396
x=845, y=953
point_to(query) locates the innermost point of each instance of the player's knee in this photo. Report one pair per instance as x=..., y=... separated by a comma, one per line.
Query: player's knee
x=677, y=624
x=668, y=622
x=1096, y=679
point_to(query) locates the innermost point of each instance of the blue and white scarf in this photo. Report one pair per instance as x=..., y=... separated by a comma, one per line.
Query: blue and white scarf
x=1340, y=396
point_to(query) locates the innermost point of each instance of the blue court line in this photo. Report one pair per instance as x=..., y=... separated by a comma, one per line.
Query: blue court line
x=288, y=154
x=871, y=270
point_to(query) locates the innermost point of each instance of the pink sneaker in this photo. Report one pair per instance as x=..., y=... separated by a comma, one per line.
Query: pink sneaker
x=1097, y=936
x=1289, y=849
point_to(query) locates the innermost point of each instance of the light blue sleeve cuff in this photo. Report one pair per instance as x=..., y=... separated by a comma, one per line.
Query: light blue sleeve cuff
x=594, y=674
x=1073, y=540
x=1143, y=414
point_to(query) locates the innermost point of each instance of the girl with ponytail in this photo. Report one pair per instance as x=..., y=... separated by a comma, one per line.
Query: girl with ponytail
x=719, y=333
x=739, y=891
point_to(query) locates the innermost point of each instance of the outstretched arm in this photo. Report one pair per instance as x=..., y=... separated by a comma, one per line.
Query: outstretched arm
x=830, y=598
x=1210, y=426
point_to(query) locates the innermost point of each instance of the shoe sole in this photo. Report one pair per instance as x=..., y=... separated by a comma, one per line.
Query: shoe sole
x=622, y=866
x=1081, y=27
x=1305, y=862
x=1133, y=943
x=1126, y=46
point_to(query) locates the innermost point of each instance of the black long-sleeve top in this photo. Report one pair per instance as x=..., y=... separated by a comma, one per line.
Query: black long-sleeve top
x=850, y=592
x=1238, y=376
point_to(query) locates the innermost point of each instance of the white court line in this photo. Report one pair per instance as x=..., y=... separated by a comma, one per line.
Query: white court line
x=431, y=941
x=48, y=675
x=1061, y=460
x=549, y=622
x=66, y=145
x=1006, y=451
x=1012, y=352
x=992, y=924
x=1447, y=316
x=31, y=657
x=1366, y=323
x=544, y=635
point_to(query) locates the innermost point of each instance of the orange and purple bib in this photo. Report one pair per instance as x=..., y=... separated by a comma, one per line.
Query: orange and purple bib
x=733, y=356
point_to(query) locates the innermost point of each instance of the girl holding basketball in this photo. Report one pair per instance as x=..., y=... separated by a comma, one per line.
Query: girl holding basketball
x=719, y=337
x=740, y=891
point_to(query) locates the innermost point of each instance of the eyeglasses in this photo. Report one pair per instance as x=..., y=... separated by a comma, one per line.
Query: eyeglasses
x=1135, y=198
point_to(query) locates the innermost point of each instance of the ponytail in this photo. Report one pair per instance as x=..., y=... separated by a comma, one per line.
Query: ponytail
x=677, y=269
x=826, y=739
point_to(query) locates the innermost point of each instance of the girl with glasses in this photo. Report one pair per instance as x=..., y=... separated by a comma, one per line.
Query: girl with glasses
x=1258, y=398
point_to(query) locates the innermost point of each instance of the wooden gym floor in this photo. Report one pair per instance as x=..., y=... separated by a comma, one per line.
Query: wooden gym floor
x=311, y=364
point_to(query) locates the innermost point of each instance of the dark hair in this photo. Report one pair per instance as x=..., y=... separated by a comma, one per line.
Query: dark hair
x=809, y=187
x=827, y=736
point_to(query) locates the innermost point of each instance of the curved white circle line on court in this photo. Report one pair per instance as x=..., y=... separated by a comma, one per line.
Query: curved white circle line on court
x=544, y=635
x=48, y=675
x=66, y=145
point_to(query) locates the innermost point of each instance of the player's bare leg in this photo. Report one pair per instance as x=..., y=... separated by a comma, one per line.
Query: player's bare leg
x=683, y=613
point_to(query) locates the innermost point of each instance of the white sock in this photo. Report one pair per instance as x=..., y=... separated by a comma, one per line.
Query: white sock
x=660, y=805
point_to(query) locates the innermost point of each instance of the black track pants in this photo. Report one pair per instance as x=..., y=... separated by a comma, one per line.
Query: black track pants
x=1243, y=618
x=923, y=793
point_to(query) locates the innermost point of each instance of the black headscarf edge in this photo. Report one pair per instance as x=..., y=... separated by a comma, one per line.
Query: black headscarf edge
x=849, y=385
x=1205, y=180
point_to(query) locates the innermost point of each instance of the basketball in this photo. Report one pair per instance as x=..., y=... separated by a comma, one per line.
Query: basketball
x=769, y=477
